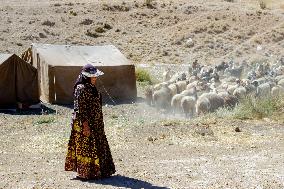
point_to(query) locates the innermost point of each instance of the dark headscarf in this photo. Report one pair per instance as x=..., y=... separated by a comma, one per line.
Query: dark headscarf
x=83, y=79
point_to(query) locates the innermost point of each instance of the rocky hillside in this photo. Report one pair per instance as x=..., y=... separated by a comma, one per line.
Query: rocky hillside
x=175, y=32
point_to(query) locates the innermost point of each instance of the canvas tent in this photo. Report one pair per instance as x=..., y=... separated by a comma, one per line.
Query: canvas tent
x=18, y=81
x=59, y=65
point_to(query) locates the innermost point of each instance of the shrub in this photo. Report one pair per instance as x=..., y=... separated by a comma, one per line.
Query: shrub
x=251, y=108
x=44, y=120
x=73, y=13
x=143, y=76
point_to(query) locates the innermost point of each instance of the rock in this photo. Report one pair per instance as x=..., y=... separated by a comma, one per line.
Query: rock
x=237, y=129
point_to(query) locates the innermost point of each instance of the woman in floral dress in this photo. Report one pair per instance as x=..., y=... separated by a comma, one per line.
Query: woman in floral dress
x=88, y=151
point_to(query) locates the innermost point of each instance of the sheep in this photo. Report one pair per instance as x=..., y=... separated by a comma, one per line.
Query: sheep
x=178, y=77
x=263, y=90
x=192, y=79
x=190, y=92
x=236, y=72
x=223, y=87
x=281, y=82
x=230, y=79
x=231, y=88
x=279, y=77
x=149, y=95
x=260, y=80
x=230, y=101
x=181, y=85
x=174, y=89
x=192, y=84
x=188, y=106
x=277, y=91
x=202, y=106
x=214, y=100
x=223, y=94
x=162, y=98
x=159, y=86
x=202, y=86
x=166, y=75
x=240, y=92
x=251, y=89
x=176, y=102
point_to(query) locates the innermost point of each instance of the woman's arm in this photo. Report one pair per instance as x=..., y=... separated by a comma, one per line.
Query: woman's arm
x=83, y=97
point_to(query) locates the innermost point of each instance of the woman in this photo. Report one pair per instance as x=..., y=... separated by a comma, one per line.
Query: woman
x=88, y=150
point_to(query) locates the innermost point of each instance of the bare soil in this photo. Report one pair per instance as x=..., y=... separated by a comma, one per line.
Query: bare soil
x=151, y=149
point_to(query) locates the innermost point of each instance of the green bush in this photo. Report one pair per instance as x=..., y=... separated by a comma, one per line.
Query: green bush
x=45, y=120
x=252, y=108
x=143, y=76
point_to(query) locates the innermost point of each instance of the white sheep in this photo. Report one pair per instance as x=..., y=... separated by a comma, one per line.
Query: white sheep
x=190, y=92
x=279, y=77
x=166, y=75
x=176, y=103
x=264, y=90
x=202, y=106
x=181, y=85
x=231, y=88
x=159, y=86
x=149, y=95
x=174, y=89
x=240, y=92
x=192, y=84
x=214, y=100
x=162, y=98
x=188, y=106
x=281, y=82
x=277, y=91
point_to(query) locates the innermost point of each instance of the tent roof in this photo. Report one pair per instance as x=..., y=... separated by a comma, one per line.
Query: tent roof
x=4, y=57
x=67, y=55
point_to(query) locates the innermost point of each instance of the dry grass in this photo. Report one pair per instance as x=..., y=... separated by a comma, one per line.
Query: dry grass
x=253, y=109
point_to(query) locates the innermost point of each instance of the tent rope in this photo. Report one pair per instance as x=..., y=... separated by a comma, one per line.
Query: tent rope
x=109, y=96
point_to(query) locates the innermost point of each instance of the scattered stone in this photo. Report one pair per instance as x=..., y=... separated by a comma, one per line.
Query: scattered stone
x=48, y=23
x=42, y=35
x=121, y=8
x=107, y=26
x=92, y=34
x=86, y=22
x=237, y=129
x=100, y=30
x=57, y=5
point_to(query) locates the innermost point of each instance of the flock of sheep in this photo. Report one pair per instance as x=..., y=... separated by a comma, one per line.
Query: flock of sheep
x=204, y=88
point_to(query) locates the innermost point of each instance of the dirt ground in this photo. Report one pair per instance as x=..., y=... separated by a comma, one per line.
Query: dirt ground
x=150, y=149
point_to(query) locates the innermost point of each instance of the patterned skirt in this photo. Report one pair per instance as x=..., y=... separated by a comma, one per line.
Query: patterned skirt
x=89, y=156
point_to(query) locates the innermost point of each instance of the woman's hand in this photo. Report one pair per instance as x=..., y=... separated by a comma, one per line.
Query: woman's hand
x=86, y=129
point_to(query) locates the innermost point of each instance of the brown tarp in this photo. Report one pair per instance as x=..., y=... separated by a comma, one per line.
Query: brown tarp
x=59, y=65
x=18, y=81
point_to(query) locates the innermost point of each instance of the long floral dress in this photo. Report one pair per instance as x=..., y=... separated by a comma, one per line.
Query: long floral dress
x=89, y=156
